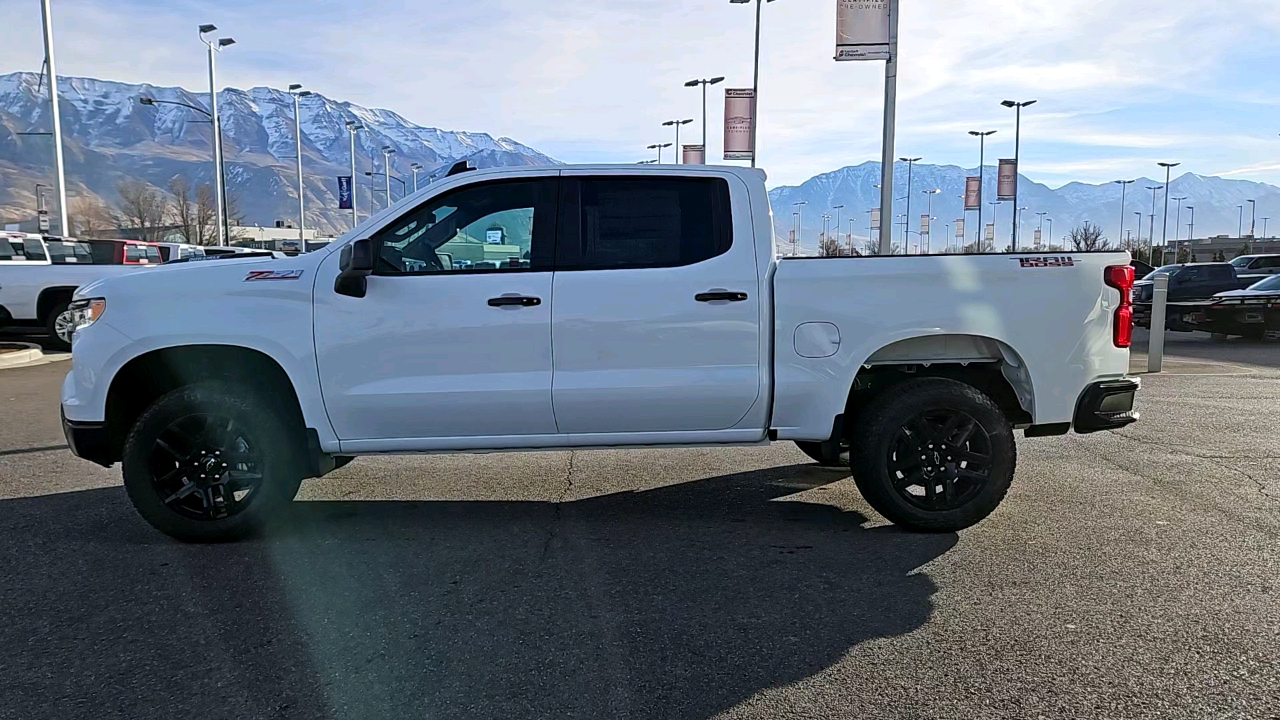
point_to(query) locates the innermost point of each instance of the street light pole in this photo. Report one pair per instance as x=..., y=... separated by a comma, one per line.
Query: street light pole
x=415, y=167
x=795, y=247
x=929, y=213
x=1177, y=226
x=982, y=171
x=1124, y=187
x=59, y=172
x=387, y=152
x=677, y=124
x=298, y=93
x=220, y=190
x=890, y=127
x=906, y=234
x=704, y=82
x=1191, y=228
x=837, y=208
x=1253, y=222
x=755, y=78
x=352, y=127
x=1151, y=236
x=1164, y=227
x=1240, y=223
x=1264, y=227
x=1017, y=159
x=1040, y=226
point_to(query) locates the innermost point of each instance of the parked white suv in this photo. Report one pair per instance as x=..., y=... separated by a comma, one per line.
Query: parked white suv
x=619, y=307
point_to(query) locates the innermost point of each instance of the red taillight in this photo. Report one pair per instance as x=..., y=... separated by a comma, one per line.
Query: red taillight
x=1120, y=277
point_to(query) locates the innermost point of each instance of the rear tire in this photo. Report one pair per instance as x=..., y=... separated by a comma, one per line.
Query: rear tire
x=933, y=455
x=210, y=463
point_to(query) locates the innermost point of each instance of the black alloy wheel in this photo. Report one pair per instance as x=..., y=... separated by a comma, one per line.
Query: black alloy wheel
x=940, y=459
x=213, y=462
x=933, y=455
x=205, y=467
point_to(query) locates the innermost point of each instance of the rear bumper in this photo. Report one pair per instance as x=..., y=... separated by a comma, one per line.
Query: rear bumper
x=1106, y=405
x=88, y=441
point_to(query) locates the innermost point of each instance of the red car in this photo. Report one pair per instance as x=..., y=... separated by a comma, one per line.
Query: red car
x=125, y=252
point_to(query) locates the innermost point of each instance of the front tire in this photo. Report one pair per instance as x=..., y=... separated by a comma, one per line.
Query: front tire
x=208, y=463
x=934, y=455
x=54, y=327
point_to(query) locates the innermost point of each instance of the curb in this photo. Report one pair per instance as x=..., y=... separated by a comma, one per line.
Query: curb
x=31, y=354
x=29, y=358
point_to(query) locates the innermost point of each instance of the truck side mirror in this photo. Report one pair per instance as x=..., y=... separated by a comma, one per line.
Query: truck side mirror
x=356, y=264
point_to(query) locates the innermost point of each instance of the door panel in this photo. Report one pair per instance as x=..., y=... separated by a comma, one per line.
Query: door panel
x=453, y=337
x=635, y=350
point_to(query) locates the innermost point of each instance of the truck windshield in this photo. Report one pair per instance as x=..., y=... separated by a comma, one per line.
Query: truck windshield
x=1167, y=269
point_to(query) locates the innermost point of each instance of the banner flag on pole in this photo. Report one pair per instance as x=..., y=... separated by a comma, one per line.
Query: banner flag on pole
x=1038, y=235
x=960, y=227
x=972, y=193
x=862, y=29
x=1007, y=179
x=694, y=155
x=991, y=232
x=739, y=121
x=344, y=192
x=875, y=219
x=924, y=224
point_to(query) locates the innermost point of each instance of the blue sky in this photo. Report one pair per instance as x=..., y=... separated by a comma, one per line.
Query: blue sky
x=1121, y=84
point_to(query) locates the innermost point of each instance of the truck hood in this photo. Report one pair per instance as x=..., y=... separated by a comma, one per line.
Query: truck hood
x=207, y=276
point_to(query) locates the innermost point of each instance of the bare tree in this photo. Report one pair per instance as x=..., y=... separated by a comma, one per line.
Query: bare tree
x=90, y=218
x=142, y=208
x=182, y=207
x=1089, y=237
x=830, y=247
x=205, y=218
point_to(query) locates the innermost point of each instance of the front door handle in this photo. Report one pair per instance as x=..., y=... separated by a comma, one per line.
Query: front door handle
x=514, y=300
x=720, y=295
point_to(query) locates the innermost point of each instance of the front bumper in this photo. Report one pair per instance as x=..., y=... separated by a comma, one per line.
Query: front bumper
x=1106, y=405
x=88, y=440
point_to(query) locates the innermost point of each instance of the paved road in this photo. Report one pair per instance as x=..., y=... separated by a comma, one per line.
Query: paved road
x=1130, y=574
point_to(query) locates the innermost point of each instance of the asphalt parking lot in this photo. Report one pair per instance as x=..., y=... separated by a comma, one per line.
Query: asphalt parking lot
x=1128, y=574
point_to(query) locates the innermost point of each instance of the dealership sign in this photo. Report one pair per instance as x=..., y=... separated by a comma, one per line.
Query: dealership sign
x=1007, y=180
x=739, y=123
x=862, y=29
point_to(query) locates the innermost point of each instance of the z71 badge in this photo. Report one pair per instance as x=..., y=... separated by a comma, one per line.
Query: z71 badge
x=273, y=275
x=1046, y=261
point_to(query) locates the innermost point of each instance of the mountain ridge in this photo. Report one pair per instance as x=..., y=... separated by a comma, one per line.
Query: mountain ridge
x=110, y=136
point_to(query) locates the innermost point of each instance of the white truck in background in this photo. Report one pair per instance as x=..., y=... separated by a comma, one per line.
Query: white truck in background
x=589, y=307
x=36, y=290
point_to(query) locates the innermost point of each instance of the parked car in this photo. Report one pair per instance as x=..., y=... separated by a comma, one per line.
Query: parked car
x=1187, y=281
x=125, y=252
x=36, y=293
x=675, y=323
x=13, y=249
x=1256, y=267
x=1252, y=313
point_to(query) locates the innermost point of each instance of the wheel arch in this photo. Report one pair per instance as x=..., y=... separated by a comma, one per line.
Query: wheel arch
x=988, y=364
x=147, y=377
x=50, y=297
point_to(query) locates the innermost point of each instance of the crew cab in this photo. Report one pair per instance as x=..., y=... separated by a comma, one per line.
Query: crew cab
x=601, y=306
x=1252, y=268
x=1252, y=313
x=35, y=293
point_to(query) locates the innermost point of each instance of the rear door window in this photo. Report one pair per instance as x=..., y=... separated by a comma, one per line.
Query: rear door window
x=34, y=250
x=620, y=223
x=1220, y=272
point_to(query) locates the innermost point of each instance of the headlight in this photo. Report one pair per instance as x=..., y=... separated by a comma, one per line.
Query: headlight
x=83, y=313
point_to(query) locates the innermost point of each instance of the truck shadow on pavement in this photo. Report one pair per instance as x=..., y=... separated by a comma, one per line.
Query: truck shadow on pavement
x=678, y=602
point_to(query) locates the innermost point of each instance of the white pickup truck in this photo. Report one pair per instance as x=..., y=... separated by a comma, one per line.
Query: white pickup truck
x=589, y=307
x=35, y=291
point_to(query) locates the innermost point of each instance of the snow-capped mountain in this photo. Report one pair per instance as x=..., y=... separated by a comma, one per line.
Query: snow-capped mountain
x=110, y=135
x=1217, y=204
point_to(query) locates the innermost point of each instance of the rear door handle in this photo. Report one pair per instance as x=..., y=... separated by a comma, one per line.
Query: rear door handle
x=720, y=295
x=514, y=300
